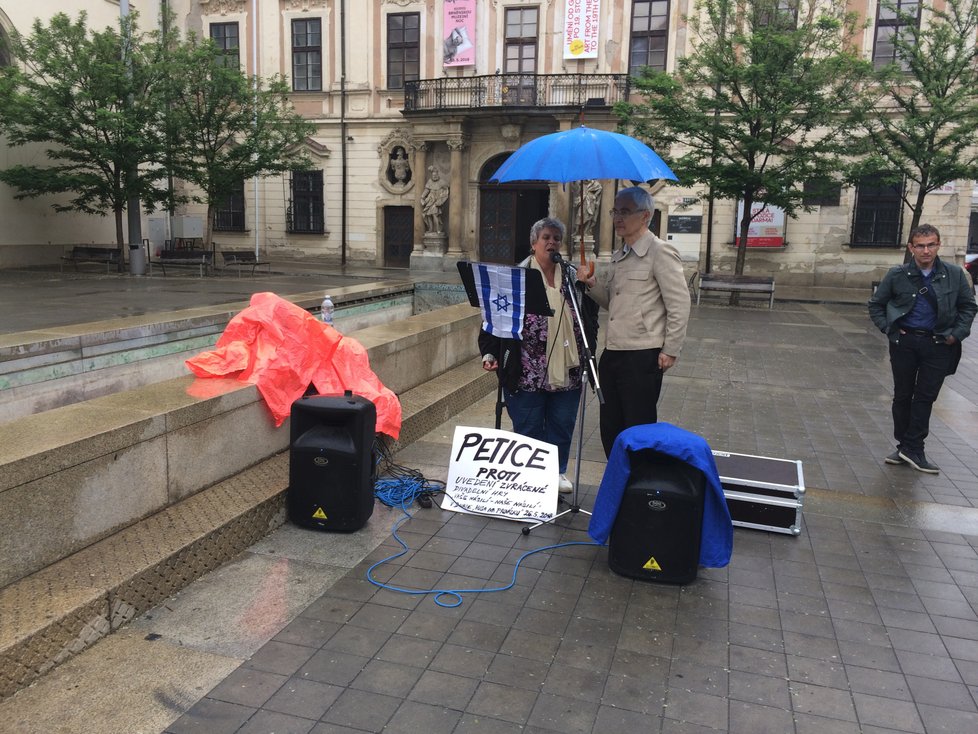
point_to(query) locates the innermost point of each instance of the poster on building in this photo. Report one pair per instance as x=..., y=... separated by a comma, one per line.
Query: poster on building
x=459, y=26
x=766, y=228
x=581, y=29
x=503, y=474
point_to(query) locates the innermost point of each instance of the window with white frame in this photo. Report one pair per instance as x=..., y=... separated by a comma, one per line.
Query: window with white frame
x=521, y=41
x=650, y=31
x=893, y=18
x=307, y=55
x=225, y=37
x=403, y=49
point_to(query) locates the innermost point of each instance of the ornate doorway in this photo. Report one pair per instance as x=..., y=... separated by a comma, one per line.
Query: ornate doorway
x=506, y=213
x=398, y=236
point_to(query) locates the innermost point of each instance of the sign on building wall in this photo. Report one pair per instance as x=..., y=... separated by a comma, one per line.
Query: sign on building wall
x=766, y=228
x=459, y=25
x=581, y=29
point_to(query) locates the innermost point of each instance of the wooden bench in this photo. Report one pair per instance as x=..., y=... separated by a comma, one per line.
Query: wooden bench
x=242, y=259
x=729, y=283
x=108, y=256
x=202, y=259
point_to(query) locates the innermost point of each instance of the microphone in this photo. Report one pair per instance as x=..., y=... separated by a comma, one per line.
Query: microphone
x=556, y=258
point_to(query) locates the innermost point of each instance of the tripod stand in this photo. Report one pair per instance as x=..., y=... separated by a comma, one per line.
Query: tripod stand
x=589, y=376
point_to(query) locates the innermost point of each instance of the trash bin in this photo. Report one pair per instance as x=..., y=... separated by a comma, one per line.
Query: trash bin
x=137, y=260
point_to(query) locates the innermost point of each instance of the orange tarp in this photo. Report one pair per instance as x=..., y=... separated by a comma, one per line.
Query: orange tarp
x=282, y=348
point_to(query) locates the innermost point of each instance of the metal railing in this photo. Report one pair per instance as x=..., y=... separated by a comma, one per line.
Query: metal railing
x=515, y=90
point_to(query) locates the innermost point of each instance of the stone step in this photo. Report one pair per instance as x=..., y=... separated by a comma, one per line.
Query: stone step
x=66, y=607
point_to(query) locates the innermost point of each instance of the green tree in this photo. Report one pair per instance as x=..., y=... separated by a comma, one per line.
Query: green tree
x=759, y=107
x=925, y=127
x=90, y=98
x=226, y=126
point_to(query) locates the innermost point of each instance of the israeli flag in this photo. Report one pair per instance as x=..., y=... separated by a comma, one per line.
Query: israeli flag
x=502, y=290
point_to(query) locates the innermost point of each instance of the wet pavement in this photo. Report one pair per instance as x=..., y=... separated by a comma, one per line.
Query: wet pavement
x=865, y=622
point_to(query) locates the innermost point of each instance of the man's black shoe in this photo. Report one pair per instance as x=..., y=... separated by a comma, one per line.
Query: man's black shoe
x=918, y=461
x=894, y=458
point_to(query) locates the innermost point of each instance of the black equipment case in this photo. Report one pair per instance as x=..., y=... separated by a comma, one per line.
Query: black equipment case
x=762, y=493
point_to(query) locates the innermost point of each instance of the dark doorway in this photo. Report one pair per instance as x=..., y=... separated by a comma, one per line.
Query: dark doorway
x=506, y=213
x=398, y=236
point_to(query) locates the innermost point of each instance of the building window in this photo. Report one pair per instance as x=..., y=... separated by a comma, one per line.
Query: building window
x=307, y=55
x=877, y=218
x=650, y=28
x=403, y=49
x=229, y=214
x=306, y=214
x=225, y=37
x=822, y=192
x=785, y=11
x=521, y=41
x=893, y=18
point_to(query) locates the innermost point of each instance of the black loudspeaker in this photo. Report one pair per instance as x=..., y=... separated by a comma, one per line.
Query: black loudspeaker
x=331, y=468
x=656, y=535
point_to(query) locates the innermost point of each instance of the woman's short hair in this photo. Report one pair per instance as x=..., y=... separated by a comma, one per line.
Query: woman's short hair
x=641, y=199
x=546, y=223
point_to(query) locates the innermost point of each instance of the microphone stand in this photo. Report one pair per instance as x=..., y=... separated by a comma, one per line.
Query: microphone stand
x=589, y=376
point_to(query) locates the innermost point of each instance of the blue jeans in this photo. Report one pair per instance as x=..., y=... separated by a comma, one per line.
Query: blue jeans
x=545, y=416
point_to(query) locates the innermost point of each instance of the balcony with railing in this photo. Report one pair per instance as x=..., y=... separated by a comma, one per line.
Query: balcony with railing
x=528, y=91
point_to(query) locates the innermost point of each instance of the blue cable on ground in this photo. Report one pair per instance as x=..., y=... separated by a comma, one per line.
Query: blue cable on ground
x=402, y=492
x=401, y=487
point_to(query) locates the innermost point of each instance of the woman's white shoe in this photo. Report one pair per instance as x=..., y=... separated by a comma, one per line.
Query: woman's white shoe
x=565, y=486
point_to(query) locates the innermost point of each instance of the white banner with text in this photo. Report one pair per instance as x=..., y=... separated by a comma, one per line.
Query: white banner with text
x=503, y=474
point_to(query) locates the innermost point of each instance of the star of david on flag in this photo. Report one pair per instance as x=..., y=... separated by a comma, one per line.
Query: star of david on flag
x=502, y=291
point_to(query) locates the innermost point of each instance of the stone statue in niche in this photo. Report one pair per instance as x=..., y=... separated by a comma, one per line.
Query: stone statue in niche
x=433, y=197
x=399, y=167
x=589, y=201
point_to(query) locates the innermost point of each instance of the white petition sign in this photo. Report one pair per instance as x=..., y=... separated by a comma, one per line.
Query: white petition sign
x=500, y=473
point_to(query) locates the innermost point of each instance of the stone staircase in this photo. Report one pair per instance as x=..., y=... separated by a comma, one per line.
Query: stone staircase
x=109, y=506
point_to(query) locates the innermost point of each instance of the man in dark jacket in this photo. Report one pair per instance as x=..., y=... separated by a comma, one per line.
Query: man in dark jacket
x=925, y=307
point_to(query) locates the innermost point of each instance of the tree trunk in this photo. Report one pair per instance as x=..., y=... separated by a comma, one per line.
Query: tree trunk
x=209, y=227
x=742, y=246
x=916, y=214
x=120, y=240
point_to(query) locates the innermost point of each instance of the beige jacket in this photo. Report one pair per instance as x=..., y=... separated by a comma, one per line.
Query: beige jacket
x=646, y=295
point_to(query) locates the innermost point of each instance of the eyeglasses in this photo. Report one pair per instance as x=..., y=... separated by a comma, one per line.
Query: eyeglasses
x=624, y=212
x=926, y=246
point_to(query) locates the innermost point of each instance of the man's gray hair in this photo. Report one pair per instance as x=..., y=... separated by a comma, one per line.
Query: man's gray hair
x=547, y=223
x=641, y=199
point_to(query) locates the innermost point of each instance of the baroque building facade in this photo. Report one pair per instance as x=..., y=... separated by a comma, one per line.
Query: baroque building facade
x=420, y=100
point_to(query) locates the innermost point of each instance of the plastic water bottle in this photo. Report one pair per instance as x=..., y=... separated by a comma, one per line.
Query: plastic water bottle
x=326, y=314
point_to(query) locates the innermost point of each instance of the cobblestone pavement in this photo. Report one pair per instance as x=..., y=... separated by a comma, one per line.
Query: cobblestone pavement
x=866, y=622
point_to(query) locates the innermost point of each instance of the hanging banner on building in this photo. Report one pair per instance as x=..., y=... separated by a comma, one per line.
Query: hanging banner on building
x=459, y=25
x=581, y=29
x=766, y=228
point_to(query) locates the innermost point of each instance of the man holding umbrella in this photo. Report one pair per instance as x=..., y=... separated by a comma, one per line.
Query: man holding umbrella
x=645, y=292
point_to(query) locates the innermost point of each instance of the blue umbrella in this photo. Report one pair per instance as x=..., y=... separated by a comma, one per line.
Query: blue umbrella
x=580, y=154
x=583, y=153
